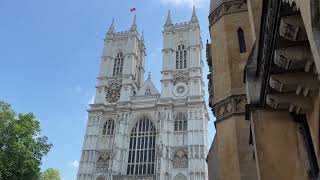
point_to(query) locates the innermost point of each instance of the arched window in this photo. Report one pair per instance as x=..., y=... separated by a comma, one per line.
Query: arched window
x=181, y=57
x=148, y=91
x=242, y=41
x=118, y=65
x=180, y=123
x=180, y=177
x=141, y=158
x=108, y=128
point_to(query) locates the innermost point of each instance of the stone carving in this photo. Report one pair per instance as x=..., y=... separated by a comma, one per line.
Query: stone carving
x=293, y=58
x=160, y=149
x=288, y=31
x=103, y=161
x=227, y=8
x=113, y=90
x=137, y=177
x=101, y=177
x=180, y=77
x=230, y=106
x=180, y=158
x=180, y=177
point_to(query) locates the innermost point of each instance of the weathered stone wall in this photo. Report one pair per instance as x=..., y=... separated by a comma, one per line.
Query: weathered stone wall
x=279, y=148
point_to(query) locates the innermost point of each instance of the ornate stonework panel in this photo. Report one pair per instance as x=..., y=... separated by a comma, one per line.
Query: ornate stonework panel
x=103, y=161
x=230, y=106
x=180, y=157
x=133, y=177
x=180, y=77
x=180, y=89
x=113, y=90
x=227, y=8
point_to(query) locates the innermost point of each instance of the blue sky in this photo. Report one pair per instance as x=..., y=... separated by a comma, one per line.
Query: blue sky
x=50, y=54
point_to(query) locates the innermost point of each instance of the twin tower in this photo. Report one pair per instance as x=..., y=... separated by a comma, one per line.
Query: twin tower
x=135, y=132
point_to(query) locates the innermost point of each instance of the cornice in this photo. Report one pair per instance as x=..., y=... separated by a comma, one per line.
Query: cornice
x=233, y=105
x=227, y=8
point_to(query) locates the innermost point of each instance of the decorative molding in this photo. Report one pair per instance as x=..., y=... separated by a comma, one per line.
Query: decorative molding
x=227, y=8
x=113, y=90
x=234, y=105
x=180, y=157
x=104, y=159
x=134, y=177
x=180, y=77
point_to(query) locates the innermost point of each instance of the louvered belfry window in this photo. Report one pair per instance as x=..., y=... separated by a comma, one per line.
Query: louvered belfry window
x=181, y=57
x=118, y=65
x=108, y=128
x=141, y=158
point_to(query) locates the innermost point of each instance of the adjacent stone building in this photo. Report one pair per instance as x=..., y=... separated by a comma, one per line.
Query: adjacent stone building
x=135, y=132
x=264, y=61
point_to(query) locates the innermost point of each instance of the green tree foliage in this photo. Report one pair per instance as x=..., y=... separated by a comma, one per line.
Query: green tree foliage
x=21, y=145
x=50, y=174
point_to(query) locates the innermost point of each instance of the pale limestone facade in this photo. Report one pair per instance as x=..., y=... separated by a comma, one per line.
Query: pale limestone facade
x=135, y=132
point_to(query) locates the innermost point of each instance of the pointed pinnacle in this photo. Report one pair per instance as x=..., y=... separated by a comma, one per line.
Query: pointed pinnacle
x=134, y=20
x=142, y=36
x=168, y=21
x=111, y=28
x=194, y=17
x=134, y=23
x=149, y=75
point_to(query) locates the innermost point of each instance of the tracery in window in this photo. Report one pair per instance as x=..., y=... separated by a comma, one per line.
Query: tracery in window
x=181, y=57
x=180, y=123
x=242, y=41
x=141, y=157
x=108, y=128
x=118, y=65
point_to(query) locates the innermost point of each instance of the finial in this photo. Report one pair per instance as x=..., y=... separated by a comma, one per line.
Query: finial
x=149, y=75
x=194, y=17
x=168, y=21
x=111, y=28
x=134, y=23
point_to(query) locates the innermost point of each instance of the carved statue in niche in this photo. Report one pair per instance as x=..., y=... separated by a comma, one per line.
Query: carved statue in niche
x=160, y=149
x=103, y=161
x=180, y=158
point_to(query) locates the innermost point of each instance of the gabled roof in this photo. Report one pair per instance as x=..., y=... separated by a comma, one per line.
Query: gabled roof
x=148, y=87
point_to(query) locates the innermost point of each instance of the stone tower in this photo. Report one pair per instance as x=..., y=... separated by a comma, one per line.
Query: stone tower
x=124, y=76
x=231, y=40
x=134, y=132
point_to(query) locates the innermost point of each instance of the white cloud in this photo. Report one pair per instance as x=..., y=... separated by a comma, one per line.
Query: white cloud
x=184, y=3
x=74, y=164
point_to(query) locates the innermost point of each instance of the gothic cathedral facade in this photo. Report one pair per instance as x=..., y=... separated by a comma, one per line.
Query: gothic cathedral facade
x=134, y=132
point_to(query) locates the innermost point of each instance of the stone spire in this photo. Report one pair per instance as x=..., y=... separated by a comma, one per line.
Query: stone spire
x=134, y=24
x=194, y=17
x=168, y=21
x=111, y=28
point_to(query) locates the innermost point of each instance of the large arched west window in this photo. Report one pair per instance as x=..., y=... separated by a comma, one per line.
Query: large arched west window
x=181, y=57
x=242, y=41
x=180, y=122
x=118, y=65
x=141, y=158
x=108, y=128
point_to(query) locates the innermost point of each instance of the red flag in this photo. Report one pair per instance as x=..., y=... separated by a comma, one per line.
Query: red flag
x=132, y=9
